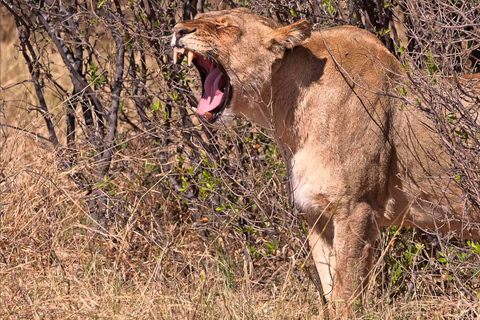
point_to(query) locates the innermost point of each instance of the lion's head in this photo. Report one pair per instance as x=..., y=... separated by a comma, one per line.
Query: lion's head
x=234, y=51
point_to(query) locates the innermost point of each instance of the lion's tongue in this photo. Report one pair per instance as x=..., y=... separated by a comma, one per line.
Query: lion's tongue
x=212, y=96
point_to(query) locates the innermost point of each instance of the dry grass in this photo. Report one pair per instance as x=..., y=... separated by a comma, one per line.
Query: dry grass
x=55, y=266
x=155, y=263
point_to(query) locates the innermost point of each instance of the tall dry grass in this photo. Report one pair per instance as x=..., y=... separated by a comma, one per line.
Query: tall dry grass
x=56, y=265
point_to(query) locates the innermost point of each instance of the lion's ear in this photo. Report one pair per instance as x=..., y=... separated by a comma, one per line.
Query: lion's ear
x=290, y=36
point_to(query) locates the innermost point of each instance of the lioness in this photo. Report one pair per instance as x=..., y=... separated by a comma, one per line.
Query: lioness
x=357, y=158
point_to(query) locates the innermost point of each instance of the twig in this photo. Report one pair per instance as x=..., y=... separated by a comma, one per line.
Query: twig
x=24, y=130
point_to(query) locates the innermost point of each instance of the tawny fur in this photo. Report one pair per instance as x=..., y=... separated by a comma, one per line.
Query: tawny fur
x=357, y=159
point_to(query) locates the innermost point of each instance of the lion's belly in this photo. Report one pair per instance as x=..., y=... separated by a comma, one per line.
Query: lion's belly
x=310, y=178
x=319, y=180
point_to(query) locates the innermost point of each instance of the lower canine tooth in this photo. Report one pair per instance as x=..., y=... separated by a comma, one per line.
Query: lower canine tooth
x=208, y=115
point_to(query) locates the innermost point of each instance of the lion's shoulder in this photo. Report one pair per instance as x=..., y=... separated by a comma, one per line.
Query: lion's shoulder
x=352, y=47
x=347, y=38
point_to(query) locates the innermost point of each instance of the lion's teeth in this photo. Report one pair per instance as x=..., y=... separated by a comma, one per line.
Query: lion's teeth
x=208, y=115
x=191, y=55
x=177, y=52
x=175, y=56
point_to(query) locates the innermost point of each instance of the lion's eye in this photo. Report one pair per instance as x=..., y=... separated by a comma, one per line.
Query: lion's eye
x=224, y=26
x=222, y=23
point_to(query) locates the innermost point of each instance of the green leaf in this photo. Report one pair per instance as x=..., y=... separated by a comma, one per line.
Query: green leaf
x=156, y=106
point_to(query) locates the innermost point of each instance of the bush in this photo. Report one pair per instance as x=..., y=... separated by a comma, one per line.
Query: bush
x=122, y=205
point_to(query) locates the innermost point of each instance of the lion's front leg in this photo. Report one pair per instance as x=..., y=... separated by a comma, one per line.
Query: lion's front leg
x=342, y=244
x=321, y=244
x=353, y=245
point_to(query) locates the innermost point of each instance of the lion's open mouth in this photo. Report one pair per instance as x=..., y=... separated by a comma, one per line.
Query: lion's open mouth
x=215, y=83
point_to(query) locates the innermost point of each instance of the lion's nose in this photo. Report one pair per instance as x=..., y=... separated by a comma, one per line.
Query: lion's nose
x=179, y=31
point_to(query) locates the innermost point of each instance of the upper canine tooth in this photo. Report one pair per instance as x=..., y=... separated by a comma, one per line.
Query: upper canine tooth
x=175, y=56
x=190, y=56
x=182, y=50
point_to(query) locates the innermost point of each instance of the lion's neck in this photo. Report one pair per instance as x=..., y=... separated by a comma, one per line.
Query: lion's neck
x=285, y=95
